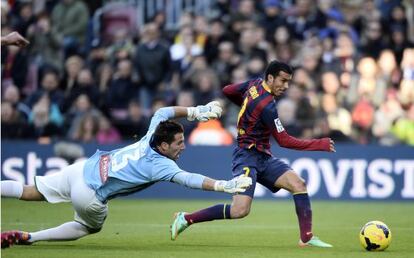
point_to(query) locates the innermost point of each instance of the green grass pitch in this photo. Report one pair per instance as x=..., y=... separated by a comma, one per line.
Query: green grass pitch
x=140, y=228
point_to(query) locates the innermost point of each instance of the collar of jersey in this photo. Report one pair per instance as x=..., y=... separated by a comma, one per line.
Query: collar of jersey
x=266, y=87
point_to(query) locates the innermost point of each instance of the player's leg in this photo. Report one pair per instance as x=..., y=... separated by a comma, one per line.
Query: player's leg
x=291, y=182
x=240, y=206
x=65, y=186
x=15, y=189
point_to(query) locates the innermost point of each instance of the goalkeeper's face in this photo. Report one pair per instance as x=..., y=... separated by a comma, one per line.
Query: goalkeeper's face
x=174, y=149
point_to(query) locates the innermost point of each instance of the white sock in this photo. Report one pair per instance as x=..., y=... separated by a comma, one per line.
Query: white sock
x=11, y=188
x=65, y=232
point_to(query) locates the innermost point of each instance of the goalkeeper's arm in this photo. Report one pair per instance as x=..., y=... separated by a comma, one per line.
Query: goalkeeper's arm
x=192, y=180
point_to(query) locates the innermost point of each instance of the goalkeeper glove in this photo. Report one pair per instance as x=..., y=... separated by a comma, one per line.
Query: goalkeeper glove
x=205, y=112
x=236, y=185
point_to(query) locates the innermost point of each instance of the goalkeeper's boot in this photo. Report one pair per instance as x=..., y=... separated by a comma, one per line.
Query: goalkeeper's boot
x=314, y=241
x=14, y=237
x=179, y=225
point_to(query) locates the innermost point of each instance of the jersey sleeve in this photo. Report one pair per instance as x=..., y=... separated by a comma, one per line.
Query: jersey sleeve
x=235, y=92
x=271, y=119
x=161, y=115
x=164, y=170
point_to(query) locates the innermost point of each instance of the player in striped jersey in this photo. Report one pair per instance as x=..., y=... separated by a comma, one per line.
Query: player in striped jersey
x=258, y=120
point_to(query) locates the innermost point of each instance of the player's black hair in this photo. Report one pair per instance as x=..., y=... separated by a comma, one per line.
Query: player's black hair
x=166, y=131
x=274, y=67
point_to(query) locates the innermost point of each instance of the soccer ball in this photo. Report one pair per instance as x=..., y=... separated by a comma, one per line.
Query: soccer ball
x=375, y=236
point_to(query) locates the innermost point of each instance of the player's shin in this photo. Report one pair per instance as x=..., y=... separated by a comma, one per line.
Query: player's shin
x=304, y=213
x=11, y=188
x=216, y=212
x=65, y=232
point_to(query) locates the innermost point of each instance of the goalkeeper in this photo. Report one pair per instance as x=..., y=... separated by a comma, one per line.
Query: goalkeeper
x=90, y=184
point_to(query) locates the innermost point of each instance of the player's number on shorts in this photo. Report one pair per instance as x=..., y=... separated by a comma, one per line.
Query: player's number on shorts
x=121, y=158
x=246, y=171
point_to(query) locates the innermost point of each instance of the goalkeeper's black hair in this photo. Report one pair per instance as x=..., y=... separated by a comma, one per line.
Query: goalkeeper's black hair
x=166, y=131
x=274, y=67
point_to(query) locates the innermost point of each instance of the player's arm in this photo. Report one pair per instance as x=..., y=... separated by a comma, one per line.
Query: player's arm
x=197, y=181
x=201, y=113
x=15, y=39
x=235, y=92
x=271, y=119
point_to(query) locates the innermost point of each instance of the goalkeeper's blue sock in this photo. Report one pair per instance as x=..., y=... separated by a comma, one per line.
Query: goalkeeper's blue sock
x=304, y=212
x=219, y=211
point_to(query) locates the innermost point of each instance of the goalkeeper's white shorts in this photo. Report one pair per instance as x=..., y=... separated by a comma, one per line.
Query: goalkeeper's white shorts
x=68, y=185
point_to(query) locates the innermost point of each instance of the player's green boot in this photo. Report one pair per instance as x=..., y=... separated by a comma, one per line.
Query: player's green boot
x=314, y=241
x=179, y=225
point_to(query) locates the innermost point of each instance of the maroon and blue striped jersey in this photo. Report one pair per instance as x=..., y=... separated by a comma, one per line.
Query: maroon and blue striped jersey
x=258, y=119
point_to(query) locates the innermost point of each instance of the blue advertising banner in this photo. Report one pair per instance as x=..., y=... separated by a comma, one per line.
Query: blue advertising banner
x=354, y=172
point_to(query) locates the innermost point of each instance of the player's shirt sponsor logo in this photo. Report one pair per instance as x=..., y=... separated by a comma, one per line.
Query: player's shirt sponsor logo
x=103, y=167
x=279, y=126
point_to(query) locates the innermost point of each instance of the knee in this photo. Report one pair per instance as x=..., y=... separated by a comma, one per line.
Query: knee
x=239, y=211
x=93, y=230
x=298, y=185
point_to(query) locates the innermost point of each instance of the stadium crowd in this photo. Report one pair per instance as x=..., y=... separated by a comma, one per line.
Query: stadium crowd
x=353, y=61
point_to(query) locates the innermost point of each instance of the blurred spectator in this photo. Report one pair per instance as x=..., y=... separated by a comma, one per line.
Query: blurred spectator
x=367, y=82
x=399, y=42
x=12, y=95
x=273, y=17
x=87, y=128
x=388, y=68
x=182, y=53
x=22, y=21
x=185, y=98
x=206, y=87
x=284, y=47
x=54, y=114
x=121, y=48
x=210, y=133
x=42, y=127
x=107, y=134
x=136, y=123
x=13, y=125
x=404, y=128
x=153, y=64
x=214, y=40
x=84, y=85
x=372, y=43
x=322, y=129
x=388, y=112
x=121, y=90
x=305, y=113
x=287, y=110
x=73, y=66
x=15, y=70
x=226, y=62
x=104, y=78
x=81, y=106
x=49, y=86
x=247, y=46
x=44, y=45
x=338, y=117
x=69, y=24
x=301, y=18
x=362, y=120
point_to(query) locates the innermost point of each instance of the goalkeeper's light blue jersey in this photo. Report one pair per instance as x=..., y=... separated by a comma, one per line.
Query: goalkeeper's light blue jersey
x=132, y=168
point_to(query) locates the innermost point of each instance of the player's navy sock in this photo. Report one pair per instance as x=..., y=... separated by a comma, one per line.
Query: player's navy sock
x=304, y=212
x=219, y=211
